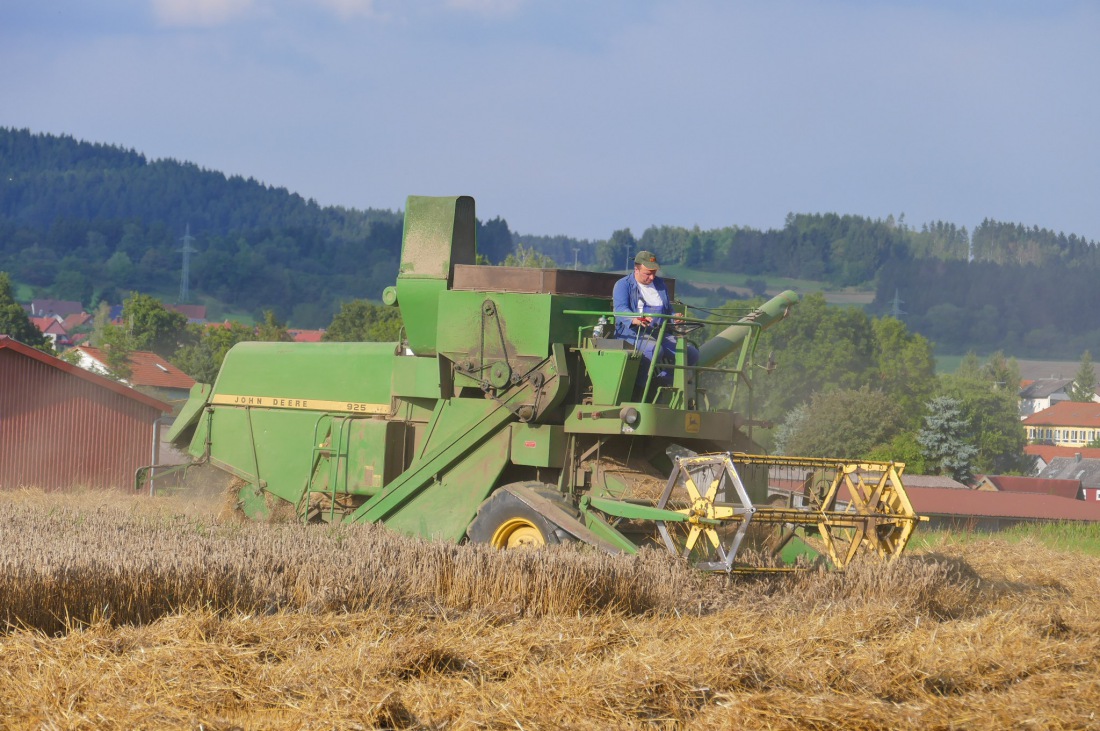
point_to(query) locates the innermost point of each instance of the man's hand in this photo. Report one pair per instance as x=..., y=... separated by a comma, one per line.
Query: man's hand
x=641, y=321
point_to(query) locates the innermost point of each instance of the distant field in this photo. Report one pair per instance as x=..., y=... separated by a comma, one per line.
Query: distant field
x=706, y=278
x=1029, y=369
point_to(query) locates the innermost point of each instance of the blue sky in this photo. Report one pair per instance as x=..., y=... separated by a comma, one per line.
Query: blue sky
x=582, y=117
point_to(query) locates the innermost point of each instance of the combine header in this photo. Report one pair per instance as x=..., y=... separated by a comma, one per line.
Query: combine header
x=507, y=415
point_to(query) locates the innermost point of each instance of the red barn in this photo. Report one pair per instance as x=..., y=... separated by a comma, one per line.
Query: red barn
x=62, y=426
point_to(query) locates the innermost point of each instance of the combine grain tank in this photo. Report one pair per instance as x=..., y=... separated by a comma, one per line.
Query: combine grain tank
x=506, y=416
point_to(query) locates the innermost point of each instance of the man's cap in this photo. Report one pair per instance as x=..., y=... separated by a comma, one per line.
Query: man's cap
x=647, y=259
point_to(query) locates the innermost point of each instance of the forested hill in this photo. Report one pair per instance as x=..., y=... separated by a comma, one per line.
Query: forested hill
x=92, y=222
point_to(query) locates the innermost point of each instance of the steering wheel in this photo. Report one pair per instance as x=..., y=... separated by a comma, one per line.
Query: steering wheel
x=682, y=328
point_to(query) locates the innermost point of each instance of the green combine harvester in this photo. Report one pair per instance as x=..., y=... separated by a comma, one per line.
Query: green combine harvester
x=506, y=415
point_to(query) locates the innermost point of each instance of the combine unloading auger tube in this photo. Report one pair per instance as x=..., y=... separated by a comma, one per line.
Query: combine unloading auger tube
x=509, y=414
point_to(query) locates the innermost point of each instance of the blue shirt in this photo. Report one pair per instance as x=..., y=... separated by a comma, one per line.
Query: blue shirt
x=626, y=297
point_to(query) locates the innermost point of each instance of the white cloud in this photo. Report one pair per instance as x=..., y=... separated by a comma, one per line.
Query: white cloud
x=199, y=13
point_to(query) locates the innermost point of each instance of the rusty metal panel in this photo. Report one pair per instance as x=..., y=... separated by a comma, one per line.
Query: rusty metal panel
x=58, y=430
x=540, y=281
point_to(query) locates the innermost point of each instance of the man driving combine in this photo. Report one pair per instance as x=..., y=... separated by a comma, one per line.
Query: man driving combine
x=642, y=291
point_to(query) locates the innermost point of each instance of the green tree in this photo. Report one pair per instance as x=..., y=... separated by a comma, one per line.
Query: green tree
x=101, y=320
x=494, y=240
x=618, y=252
x=970, y=366
x=203, y=359
x=845, y=423
x=271, y=330
x=117, y=343
x=120, y=269
x=1002, y=372
x=818, y=349
x=14, y=320
x=904, y=366
x=904, y=447
x=152, y=326
x=991, y=413
x=363, y=321
x=1083, y=387
x=945, y=440
x=528, y=257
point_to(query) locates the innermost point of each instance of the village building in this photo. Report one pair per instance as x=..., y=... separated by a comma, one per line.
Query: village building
x=1042, y=393
x=53, y=308
x=1044, y=454
x=195, y=314
x=1065, y=424
x=1070, y=489
x=149, y=373
x=306, y=336
x=52, y=329
x=1080, y=469
x=62, y=426
x=985, y=510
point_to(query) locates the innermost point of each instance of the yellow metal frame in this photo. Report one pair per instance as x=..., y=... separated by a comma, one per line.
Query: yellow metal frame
x=878, y=518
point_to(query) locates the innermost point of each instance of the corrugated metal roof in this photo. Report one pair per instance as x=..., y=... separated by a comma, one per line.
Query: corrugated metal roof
x=94, y=378
x=1067, y=413
x=146, y=369
x=1066, y=488
x=932, y=481
x=987, y=504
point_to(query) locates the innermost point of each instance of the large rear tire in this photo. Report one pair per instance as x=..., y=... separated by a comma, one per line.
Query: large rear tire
x=504, y=521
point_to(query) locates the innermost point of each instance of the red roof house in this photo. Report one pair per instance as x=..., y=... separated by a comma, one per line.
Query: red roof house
x=54, y=331
x=75, y=320
x=306, y=336
x=193, y=313
x=1065, y=424
x=148, y=371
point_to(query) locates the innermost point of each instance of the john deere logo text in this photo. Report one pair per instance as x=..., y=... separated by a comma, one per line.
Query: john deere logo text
x=692, y=423
x=278, y=402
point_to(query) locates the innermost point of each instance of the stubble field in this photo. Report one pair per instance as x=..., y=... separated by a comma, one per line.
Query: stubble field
x=126, y=612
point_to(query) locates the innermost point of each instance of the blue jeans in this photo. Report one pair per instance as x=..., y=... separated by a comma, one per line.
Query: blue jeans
x=646, y=344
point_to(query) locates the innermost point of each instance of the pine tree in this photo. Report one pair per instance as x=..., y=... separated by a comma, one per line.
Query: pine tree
x=943, y=438
x=1083, y=387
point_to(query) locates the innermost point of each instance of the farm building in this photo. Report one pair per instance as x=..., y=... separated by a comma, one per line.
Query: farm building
x=63, y=426
x=992, y=510
x=1067, y=488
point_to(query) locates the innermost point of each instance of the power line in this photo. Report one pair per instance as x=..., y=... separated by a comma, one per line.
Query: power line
x=185, y=276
